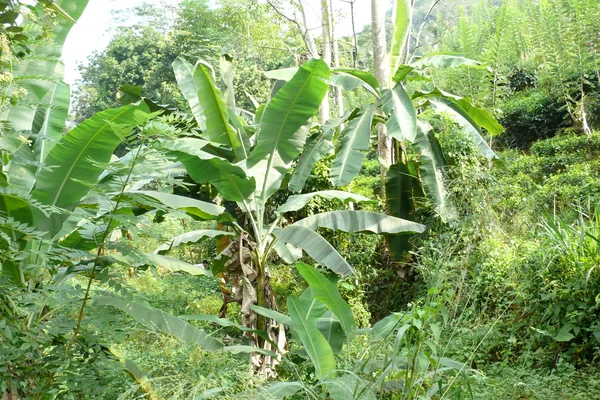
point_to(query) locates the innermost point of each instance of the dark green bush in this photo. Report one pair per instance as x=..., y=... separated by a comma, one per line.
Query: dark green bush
x=529, y=116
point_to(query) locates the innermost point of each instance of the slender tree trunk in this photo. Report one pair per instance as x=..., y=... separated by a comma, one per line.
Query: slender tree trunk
x=382, y=73
x=339, y=100
x=326, y=34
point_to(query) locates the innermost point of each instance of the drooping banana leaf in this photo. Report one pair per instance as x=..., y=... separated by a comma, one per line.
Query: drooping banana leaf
x=316, y=247
x=355, y=142
x=39, y=72
x=316, y=148
x=69, y=160
x=364, y=76
x=229, y=179
x=431, y=168
x=445, y=60
x=282, y=136
x=400, y=198
x=312, y=339
x=402, y=22
x=198, y=208
x=162, y=321
x=49, y=121
x=402, y=123
x=326, y=292
x=210, y=110
x=359, y=221
x=298, y=201
x=191, y=237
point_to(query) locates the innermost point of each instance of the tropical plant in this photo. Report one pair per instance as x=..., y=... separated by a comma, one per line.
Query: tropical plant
x=247, y=164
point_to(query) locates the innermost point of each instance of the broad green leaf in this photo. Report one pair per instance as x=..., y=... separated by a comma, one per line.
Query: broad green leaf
x=272, y=314
x=214, y=109
x=175, y=265
x=316, y=147
x=281, y=390
x=364, y=76
x=192, y=237
x=348, y=81
x=162, y=321
x=399, y=191
x=431, y=168
x=564, y=334
x=49, y=121
x=288, y=253
x=313, y=341
x=282, y=136
x=359, y=221
x=355, y=142
x=465, y=119
x=331, y=328
x=400, y=195
x=39, y=72
x=14, y=206
x=226, y=70
x=402, y=21
x=283, y=74
x=480, y=116
x=227, y=323
x=69, y=160
x=229, y=179
x=298, y=201
x=316, y=247
x=444, y=60
x=201, y=209
x=327, y=293
x=384, y=328
x=402, y=123
x=184, y=74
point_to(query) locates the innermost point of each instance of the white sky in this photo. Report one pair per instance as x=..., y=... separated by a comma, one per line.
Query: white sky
x=90, y=33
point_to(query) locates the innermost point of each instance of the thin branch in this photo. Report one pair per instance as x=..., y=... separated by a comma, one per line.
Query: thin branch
x=421, y=27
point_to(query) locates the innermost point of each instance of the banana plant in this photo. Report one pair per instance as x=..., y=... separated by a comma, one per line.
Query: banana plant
x=400, y=355
x=247, y=162
x=402, y=108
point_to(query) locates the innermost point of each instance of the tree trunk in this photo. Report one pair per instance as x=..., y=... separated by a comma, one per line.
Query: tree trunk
x=326, y=34
x=339, y=100
x=382, y=73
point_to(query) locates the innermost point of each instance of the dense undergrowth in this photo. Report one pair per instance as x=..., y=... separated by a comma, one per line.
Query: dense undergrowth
x=510, y=286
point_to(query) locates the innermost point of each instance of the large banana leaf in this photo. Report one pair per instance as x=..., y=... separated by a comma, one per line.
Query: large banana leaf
x=402, y=22
x=432, y=164
x=316, y=147
x=313, y=341
x=184, y=74
x=316, y=247
x=402, y=123
x=364, y=76
x=198, y=208
x=470, y=118
x=281, y=136
x=401, y=181
x=355, y=143
x=69, y=160
x=162, y=321
x=229, y=179
x=298, y=201
x=359, y=221
x=327, y=293
x=49, y=121
x=39, y=72
x=175, y=265
x=216, y=116
x=192, y=237
x=444, y=60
